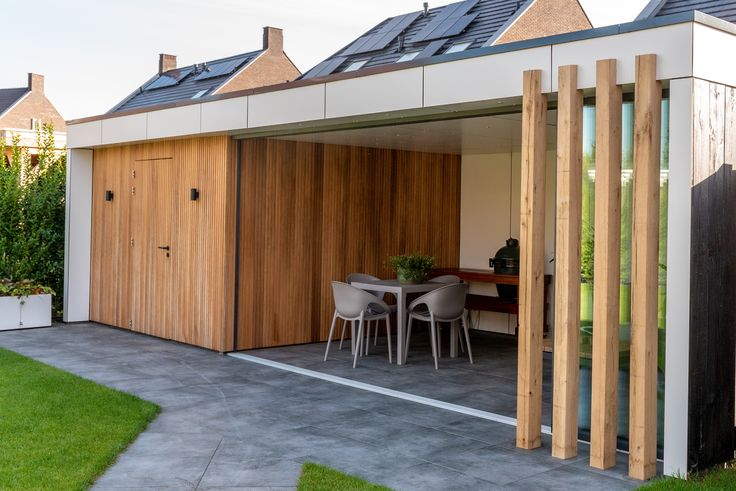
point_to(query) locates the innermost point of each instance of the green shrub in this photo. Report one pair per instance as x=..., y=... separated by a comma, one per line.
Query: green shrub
x=32, y=214
x=413, y=267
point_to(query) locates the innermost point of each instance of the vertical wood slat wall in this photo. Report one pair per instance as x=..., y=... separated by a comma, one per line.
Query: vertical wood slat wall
x=712, y=285
x=643, y=398
x=531, y=271
x=607, y=283
x=312, y=213
x=197, y=306
x=567, y=263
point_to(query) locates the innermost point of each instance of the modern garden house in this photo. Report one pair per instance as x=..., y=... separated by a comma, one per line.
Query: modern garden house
x=219, y=218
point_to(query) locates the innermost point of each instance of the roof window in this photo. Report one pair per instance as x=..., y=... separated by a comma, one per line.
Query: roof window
x=200, y=93
x=356, y=65
x=458, y=47
x=408, y=56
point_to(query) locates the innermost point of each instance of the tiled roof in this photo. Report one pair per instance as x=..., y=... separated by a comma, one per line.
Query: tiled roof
x=8, y=97
x=490, y=16
x=185, y=82
x=723, y=9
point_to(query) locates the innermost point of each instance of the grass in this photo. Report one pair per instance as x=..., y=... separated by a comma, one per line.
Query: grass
x=59, y=431
x=714, y=479
x=316, y=477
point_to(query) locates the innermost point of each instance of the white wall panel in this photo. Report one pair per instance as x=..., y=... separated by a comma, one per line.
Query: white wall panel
x=224, y=115
x=124, y=129
x=678, y=279
x=712, y=55
x=483, y=78
x=671, y=44
x=178, y=121
x=84, y=134
x=384, y=92
x=78, y=235
x=287, y=106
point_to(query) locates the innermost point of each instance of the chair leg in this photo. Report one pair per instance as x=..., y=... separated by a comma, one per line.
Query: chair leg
x=342, y=335
x=375, y=338
x=368, y=336
x=329, y=337
x=437, y=333
x=408, y=337
x=467, y=336
x=388, y=337
x=359, y=338
x=433, y=337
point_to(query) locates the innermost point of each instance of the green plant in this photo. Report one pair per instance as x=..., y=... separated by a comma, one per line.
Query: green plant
x=32, y=194
x=411, y=268
x=23, y=288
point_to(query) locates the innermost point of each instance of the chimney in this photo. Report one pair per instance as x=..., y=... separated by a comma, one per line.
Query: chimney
x=273, y=38
x=166, y=63
x=35, y=82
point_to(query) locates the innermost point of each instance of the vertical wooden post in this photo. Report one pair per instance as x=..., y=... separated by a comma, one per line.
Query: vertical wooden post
x=531, y=272
x=644, y=271
x=567, y=264
x=606, y=271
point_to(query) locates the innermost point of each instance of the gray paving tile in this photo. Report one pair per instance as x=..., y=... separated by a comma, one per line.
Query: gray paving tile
x=564, y=479
x=268, y=473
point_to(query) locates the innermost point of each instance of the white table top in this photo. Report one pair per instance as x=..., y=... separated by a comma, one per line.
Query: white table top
x=393, y=286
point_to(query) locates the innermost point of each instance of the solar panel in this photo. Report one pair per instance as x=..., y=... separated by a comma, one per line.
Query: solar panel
x=326, y=67
x=220, y=68
x=170, y=78
x=387, y=33
x=460, y=25
x=431, y=49
x=444, y=21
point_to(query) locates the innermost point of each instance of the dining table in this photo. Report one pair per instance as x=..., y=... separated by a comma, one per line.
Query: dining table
x=400, y=291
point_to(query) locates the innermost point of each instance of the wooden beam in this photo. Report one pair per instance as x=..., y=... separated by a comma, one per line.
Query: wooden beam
x=567, y=261
x=644, y=271
x=531, y=272
x=606, y=272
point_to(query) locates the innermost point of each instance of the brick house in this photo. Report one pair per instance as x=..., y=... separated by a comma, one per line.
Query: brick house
x=266, y=66
x=24, y=109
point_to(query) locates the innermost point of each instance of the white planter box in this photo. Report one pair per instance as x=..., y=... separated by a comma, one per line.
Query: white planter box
x=25, y=312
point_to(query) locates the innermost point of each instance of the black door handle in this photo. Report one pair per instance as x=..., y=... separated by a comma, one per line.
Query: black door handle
x=164, y=248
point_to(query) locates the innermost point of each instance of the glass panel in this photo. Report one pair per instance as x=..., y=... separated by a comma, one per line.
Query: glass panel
x=587, y=256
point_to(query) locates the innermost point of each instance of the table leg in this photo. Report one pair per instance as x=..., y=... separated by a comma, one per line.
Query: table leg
x=400, y=327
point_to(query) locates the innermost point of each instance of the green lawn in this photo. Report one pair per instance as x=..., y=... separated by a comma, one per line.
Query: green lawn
x=59, y=431
x=712, y=480
x=316, y=477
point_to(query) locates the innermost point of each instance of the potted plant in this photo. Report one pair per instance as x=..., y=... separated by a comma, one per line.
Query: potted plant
x=411, y=268
x=24, y=304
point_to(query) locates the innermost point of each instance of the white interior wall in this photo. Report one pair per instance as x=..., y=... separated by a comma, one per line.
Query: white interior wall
x=489, y=214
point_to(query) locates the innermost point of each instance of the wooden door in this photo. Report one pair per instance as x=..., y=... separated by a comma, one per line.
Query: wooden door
x=153, y=223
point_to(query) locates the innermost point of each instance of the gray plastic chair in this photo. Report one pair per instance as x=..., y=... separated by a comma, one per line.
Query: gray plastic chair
x=364, y=278
x=354, y=304
x=446, y=304
x=449, y=279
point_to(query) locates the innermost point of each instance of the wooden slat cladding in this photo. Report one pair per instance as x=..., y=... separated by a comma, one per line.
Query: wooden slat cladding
x=567, y=264
x=188, y=296
x=531, y=272
x=311, y=213
x=606, y=289
x=712, y=285
x=644, y=271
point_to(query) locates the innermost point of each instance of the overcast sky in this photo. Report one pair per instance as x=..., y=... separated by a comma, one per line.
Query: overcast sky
x=95, y=52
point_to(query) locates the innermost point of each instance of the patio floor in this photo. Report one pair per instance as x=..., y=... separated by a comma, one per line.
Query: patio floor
x=227, y=423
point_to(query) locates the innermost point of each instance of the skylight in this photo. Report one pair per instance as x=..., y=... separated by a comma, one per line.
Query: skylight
x=458, y=47
x=408, y=56
x=200, y=94
x=356, y=65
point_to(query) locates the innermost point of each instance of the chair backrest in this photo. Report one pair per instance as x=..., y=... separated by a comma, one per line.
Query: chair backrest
x=364, y=278
x=447, y=302
x=448, y=279
x=351, y=301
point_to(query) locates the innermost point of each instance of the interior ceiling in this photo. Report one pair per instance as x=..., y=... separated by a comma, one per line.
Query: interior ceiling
x=479, y=135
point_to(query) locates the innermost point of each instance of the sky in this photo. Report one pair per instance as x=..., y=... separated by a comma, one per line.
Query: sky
x=94, y=53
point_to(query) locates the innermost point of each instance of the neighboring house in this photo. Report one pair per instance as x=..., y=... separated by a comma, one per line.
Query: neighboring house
x=220, y=220
x=266, y=66
x=454, y=28
x=23, y=110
